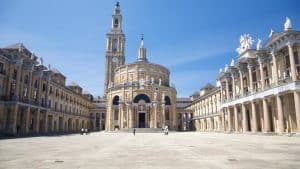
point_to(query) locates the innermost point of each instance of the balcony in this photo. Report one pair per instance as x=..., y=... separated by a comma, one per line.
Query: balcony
x=274, y=90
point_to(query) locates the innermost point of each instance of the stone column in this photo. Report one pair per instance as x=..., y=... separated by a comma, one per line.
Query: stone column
x=37, y=121
x=233, y=86
x=262, y=76
x=241, y=83
x=245, y=119
x=297, y=108
x=155, y=115
x=236, y=122
x=12, y=122
x=219, y=123
x=223, y=119
x=292, y=62
x=254, y=117
x=267, y=126
x=46, y=122
x=250, y=78
x=227, y=89
x=274, y=73
x=18, y=82
x=120, y=116
x=26, y=121
x=163, y=115
x=229, y=119
x=280, y=114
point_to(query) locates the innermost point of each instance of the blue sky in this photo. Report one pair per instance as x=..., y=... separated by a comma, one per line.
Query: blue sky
x=192, y=38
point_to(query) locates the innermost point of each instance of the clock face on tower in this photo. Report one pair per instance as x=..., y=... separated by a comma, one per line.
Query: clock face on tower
x=115, y=59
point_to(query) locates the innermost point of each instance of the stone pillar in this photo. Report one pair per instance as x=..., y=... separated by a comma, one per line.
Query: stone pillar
x=236, y=122
x=12, y=121
x=120, y=116
x=229, y=119
x=219, y=123
x=292, y=62
x=227, y=89
x=245, y=119
x=241, y=83
x=233, y=86
x=46, y=122
x=267, y=126
x=155, y=115
x=250, y=78
x=297, y=108
x=223, y=119
x=26, y=120
x=37, y=121
x=130, y=117
x=254, y=117
x=262, y=76
x=280, y=114
x=163, y=115
x=18, y=82
x=275, y=73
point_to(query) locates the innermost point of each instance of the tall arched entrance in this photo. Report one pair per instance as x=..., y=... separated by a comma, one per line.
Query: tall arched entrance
x=142, y=110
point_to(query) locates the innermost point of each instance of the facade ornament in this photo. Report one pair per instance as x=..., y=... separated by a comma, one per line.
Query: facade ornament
x=232, y=63
x=287, y=24
x=41, y=61
x=49, y=66
x=152, y=80
x=271, y=33
x=245, y=43
x=258, y=45
x=155, y=96
x=226, y=68
x=32, y=56
x=159, y=83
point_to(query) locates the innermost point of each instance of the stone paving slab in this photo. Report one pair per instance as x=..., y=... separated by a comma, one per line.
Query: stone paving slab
x=151, y=151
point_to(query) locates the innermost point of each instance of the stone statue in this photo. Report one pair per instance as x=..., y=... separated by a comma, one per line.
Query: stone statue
x=258, y=45
x=49, y=66
x=155, y=96
x=41, y=61
x=271, y=32
x=232, y=63
x=152, y=80
x=159, y=83
x=226, y=67
x=287, y=24
x=245, y=43
x=220, y=70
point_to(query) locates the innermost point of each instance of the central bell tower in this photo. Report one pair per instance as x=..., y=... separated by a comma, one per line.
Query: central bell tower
x=115, y=45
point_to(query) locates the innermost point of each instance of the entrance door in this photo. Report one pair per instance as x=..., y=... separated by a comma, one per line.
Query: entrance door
x=142, y=120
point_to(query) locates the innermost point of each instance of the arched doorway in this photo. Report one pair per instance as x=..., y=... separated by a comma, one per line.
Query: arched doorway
x=142, y=110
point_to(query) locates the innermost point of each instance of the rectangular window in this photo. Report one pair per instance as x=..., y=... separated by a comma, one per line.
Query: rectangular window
x=1, y=68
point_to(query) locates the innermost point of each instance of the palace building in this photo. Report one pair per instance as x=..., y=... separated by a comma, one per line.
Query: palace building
x=34, y=99
x=139, y=94
x=260, y=92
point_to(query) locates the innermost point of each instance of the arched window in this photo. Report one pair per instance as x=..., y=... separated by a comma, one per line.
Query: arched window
x=116, y=23
x=116, y=100
x=141, y=97
x=115, y=45
x=167, y=100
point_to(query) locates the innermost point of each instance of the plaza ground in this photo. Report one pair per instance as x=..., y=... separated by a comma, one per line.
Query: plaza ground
x=151, y=150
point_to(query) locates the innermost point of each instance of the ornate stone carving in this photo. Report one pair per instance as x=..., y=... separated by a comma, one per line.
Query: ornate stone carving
x=258, y=45
x=287, y=24
x=245, y=43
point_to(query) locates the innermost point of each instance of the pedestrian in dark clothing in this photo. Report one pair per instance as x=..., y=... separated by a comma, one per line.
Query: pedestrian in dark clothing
x=134, y=131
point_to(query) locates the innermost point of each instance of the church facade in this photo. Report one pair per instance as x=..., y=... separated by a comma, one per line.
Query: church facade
x=139, y=94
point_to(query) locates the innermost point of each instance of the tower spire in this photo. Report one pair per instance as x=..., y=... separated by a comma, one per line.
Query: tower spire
x=142, y=50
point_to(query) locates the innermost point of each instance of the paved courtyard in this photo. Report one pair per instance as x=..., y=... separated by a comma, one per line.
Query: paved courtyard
x=151, y=150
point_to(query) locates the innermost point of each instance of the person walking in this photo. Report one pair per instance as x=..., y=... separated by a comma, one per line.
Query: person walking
x=134, y=131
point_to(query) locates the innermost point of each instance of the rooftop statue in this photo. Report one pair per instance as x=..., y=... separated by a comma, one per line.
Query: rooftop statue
x=232, y=63
x=271, y=32
x=259, y=45
x=287, y=24
x=245, y=43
